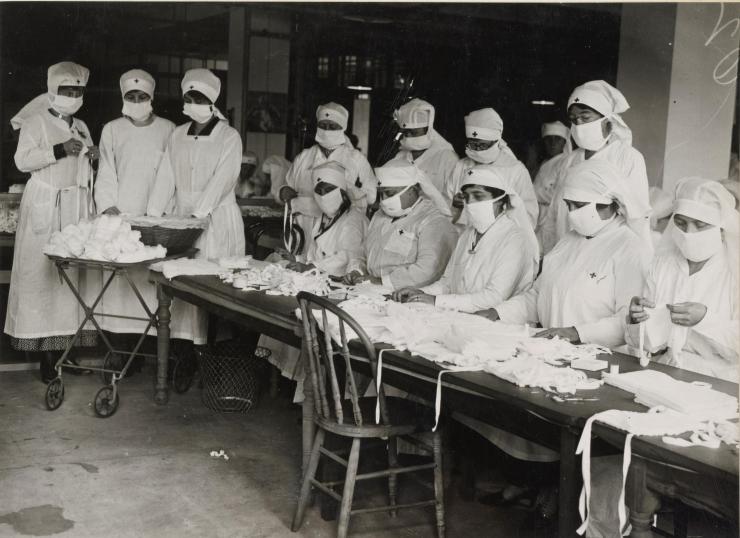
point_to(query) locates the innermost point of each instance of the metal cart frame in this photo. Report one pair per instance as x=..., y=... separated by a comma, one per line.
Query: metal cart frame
x=106, y=398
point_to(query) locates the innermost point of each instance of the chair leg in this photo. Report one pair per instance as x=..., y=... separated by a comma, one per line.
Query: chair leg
x=305, y=494
x=392, y=478
x=439, y=485
x=349, y=489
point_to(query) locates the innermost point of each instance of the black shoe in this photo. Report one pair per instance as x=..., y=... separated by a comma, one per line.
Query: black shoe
x=75, y=371
x=46, y=367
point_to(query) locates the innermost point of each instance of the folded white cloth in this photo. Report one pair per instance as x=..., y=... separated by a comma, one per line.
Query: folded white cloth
x=187, y=266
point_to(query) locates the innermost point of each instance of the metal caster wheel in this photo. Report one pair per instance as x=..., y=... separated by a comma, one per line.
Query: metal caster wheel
x=54, y=394
x=183, y=373
x=106, y=402
x=112, y=362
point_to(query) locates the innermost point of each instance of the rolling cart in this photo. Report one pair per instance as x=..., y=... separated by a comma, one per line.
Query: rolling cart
x=116, y=362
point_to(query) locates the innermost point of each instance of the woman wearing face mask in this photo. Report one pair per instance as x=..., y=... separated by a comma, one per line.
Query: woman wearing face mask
x=496, y=256
x=55, y=148
x=197, y=177
x=423, y=146
x=409, y=240
x=485, y=147
x=332, y=144
x=337, y=237
x=131, y=149
x=601, y=134
x=690, y=300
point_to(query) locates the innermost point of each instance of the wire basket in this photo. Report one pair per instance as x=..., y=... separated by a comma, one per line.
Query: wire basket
x=175, y=240
x=232, y=375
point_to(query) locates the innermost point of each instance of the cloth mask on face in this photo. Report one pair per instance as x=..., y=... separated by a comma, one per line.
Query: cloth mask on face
x=589, y=135
x=481, y=214
x=392, y=206
x=198, y=113
x=137, y=111
x=65, y=105
x=698, y=246
x=330, y=202
x=416, y=143
x=484, y=156
x=329, y=139
x=586, y=220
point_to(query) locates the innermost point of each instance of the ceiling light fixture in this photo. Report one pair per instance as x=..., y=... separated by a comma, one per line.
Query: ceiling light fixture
x=543, y=102
x=360, y=88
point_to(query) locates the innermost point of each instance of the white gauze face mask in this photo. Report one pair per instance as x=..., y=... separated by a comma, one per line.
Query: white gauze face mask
x=198, y=113
x=416, y=143
x=137, y=111
x=698, y=246
x=586, y=220
x=330, y=202
x=392, y=206
x=481, y=214
x=329, y=139
x=485, y=156
x=589, y=135
x=65, y=105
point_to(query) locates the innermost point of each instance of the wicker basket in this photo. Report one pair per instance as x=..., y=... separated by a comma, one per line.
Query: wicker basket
x=232, y=376
x=176, y=241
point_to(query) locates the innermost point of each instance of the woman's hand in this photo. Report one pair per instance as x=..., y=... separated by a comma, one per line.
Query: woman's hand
x=564, y=333
x=637, y=309
x=687, y=314
x=72, y=147
x=93, y=153
x=287, y=194
x=353, y=277
x=488, y=314
x=113, y=210
x=300, y=267
x=412, y=295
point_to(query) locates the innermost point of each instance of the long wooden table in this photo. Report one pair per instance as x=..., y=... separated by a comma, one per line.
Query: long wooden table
x=478, y=394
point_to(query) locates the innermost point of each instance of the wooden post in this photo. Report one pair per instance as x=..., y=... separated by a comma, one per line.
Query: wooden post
x=642, y=502
x=570, y=483
x=161, y=394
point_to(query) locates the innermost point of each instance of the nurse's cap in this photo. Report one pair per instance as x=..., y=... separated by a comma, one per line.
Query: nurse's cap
x=398, y=173
x=203, y=81
x=595, y=181
x=330, y=172
x=66, y=74
x=706, y=200
x=250, y=157
x=333, y=112
x=415, y=114
x=485, y=177
x=601, y=96
x=484, y=124
x=555, y=128
x=137, y=79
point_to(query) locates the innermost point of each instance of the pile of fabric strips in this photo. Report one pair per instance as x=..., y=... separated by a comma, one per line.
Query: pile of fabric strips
x=275, y=279
x=107, y=238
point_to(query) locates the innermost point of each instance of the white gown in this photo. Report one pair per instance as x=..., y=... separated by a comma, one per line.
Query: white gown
x=437, y=162
x=408, y=251
x=544, y=185
x=511, y=169
x=334, y=249
x=586, y=284
x=630, y=163
x=711, y=346
x=299, y=178
x=197, y=176
x=129, y=159
x=498, y=268
x=39, y=304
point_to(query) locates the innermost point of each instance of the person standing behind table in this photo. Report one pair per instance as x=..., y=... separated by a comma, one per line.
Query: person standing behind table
x=409, y=241
x=274, y=170
x=485, y=147
x=55, y=148
x=601, y=134
x=695, y=276
x=247, y=187
x=423, y=146
x=197, y=178
x=554, y=139
x=332, y=144
x=496, y=256
x=131, y=149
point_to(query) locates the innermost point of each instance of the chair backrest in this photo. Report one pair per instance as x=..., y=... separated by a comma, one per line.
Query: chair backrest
x=322, y=350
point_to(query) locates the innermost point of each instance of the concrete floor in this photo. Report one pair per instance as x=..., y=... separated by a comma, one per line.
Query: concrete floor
x=147, y=471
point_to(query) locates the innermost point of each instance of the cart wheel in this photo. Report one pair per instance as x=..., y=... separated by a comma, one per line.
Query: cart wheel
x=105, y=403
x=54, y=394
x=112, y=362
x=183, y=373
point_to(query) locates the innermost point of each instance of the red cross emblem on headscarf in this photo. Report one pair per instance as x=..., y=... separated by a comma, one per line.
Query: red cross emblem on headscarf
x=576, y=100
x=327, y=114
x=475, y=134
x=136, y=80
x=470, y=172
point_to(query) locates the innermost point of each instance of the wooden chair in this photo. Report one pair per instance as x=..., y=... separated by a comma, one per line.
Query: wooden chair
x=344, y=417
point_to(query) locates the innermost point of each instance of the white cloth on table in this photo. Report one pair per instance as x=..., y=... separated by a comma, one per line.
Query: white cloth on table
x=497, y=269
x=585, y=283
x=408, y=251
x=334, y=249
x=186, y=266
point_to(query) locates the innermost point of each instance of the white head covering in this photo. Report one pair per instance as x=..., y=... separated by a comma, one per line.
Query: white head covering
x=555, y=128
x=137, y=79
x=333, y=112
x=203, y=81
x=489, y=177
x=250, y=157
x=415, y=114
x=330, y=172
x=607, y=101
x=484, y=124
x=662, y=204
x=61, y=74
x=402, y=173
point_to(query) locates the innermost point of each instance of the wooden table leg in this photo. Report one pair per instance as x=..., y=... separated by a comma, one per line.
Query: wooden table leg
x=161, y=393
x=570, y=483
x=642, y=502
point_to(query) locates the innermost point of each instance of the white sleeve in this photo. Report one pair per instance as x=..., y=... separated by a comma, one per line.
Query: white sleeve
x=521, y=308
x=106, y=183
x=33, y=153
x=224, y=179
x=525, y=189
